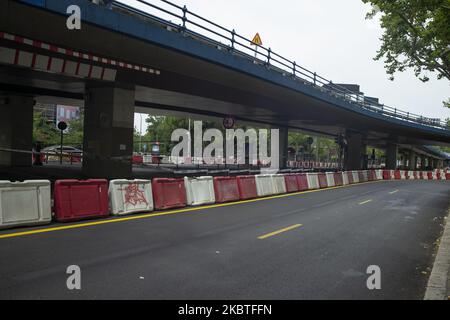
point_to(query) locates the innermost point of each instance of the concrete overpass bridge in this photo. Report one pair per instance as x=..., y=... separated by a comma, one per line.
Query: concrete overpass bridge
x=166, y=57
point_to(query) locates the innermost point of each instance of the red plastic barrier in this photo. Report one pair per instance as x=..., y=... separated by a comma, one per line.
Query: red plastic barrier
x=447, y=176
x=421, y=175
x=322, y=180
x=371, y=175
x=416, y=175
x=302, y=182
x=338, y=181
x=438, y=175
x=138, y=159
x=168, y=193
x=291, y=183
x=247, y=187
x=397, y=175
x=350, y=177
x=386, y=175
x=226, y=189
x=430, y=175
x=80, y=199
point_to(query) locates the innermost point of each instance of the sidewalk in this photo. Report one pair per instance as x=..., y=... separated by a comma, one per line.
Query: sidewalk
x=438, y=287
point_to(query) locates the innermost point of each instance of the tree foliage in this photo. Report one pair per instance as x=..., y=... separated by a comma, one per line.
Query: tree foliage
x=416, y=35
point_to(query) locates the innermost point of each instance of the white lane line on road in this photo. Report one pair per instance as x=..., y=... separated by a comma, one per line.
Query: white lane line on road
x=395, y=191
x=364, y=202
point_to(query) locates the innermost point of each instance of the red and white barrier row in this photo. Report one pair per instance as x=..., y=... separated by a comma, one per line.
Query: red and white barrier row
x=29, y=202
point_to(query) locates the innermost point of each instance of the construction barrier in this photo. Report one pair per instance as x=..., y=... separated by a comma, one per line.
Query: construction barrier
x=338, y=179
x=279, y=183
x=355, y=175
x=199, y=191
x=302, y=182
x=350, y=177
x=345, y=178
x=379, y=174
x=425, y=175
x=322, y=180
x=130, y=196
x=247, y=187
x=226, y=189
x=330, y=179
x=402, y=175
x=430, y=175
x=397, y=175
x=264, y=185
x=24, y=203
x=80, y=199
x=362, y=175
x=291, y=183
x=313, y=181
x=447, y=175
x=169, y=193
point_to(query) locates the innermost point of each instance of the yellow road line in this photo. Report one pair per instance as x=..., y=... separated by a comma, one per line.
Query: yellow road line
x=158, y=214
x=268, y=235
x=364, y=202
x=395, y=191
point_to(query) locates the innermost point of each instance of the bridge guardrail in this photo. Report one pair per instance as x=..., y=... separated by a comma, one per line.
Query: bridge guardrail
x=194, y=25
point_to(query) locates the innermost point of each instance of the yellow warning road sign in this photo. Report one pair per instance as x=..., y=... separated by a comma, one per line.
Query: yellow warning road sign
x=257, y=40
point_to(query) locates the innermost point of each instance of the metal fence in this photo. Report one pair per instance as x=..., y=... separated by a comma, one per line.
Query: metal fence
x=193, y=25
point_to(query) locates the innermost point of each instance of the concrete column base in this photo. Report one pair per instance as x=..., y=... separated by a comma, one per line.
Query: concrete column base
x=108, y=133
x=16, y=130
x=391, y=156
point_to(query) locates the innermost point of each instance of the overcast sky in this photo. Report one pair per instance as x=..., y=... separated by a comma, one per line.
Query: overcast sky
x=332, y=38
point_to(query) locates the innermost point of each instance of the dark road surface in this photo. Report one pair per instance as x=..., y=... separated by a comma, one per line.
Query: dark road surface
x=217, y=253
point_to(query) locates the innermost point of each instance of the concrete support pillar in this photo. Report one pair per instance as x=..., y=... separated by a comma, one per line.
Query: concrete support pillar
x=412, y=161
x=108, y=132
x=391, y=156
x=16, y=130
x=284, y=144
x=355, y=151
x=431, y=163
x=423, y=162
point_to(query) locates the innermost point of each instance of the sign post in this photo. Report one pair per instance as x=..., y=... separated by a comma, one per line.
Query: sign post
x=61, y=126
x=256, y=42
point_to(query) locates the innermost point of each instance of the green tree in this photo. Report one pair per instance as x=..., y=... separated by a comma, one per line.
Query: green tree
x=44, y=131
x=416, y=35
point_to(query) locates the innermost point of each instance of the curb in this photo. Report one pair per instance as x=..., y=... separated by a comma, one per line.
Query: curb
x=438, y=287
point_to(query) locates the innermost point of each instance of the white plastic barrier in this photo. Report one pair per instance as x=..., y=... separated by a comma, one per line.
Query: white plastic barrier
x=264, y=185
x=279, y=184
x=402, y=175
x=130, y=196
x=24, y=203
x=330, y=179
x=199, y=191
x=355, y=177
x=365, y=176
x=425, y=175
x=313, y=181
x=345, y=178
x=378, y=174
x=434, y=175
x=411, y=175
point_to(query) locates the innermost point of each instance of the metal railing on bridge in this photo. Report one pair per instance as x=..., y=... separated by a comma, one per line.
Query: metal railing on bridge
x=211, y=33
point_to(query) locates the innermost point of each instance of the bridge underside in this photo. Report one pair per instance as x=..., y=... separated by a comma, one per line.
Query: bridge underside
x=179, y=82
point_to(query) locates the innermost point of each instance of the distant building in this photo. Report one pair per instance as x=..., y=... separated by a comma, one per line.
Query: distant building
x=57, y=113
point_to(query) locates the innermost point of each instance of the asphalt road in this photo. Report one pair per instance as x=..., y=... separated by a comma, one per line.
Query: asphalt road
x=230, y=252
